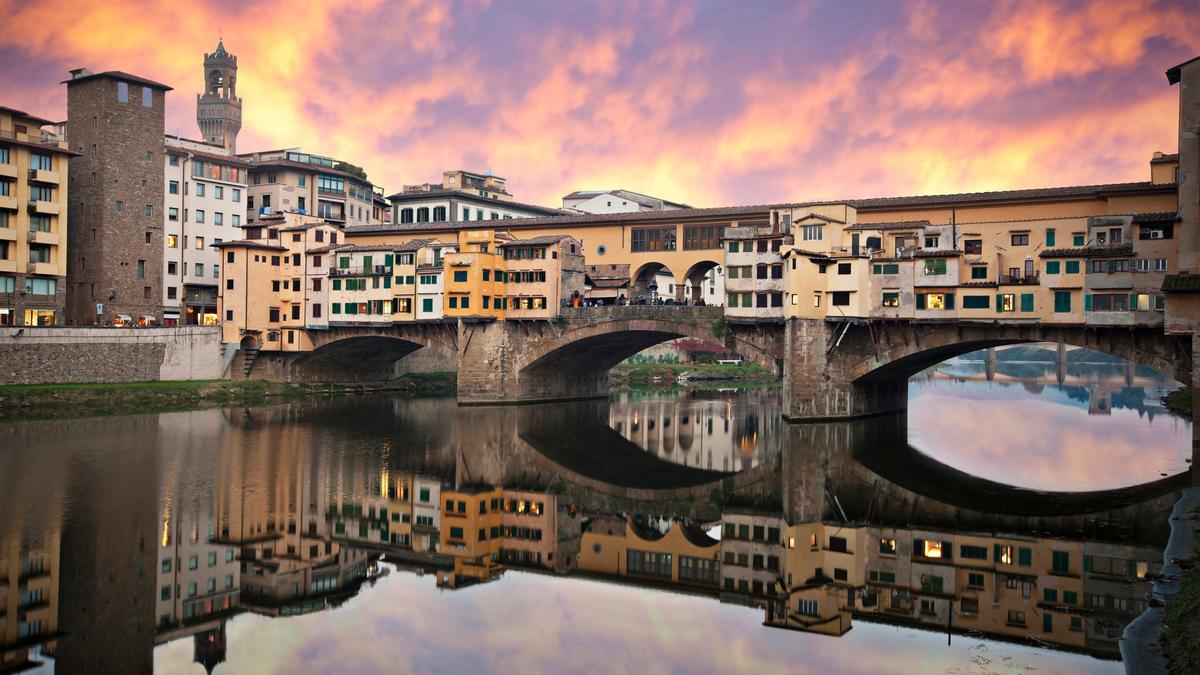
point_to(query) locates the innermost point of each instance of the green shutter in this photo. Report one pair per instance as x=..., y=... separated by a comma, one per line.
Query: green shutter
x=366, y=261
x=387, y=282
x=337, y=308
x=996, y=553
x=1087, y=302
x=427, y=305
x=999, y=302
x=1047, y=620
x=1027, y=302
x=344, y=261
x=1053, y=267
x=337, y=284
x=387, y=259
x=920, y=301
x=1133, y=302
x=1049, y=237
x=949, y=301
x=1077, y=240
x=1072, y=267
x=1024, y=557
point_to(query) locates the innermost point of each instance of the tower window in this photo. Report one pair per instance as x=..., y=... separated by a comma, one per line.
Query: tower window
x=146, y=97
x=123, y=92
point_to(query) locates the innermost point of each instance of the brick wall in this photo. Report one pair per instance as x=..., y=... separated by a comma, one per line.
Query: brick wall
x=55, y=355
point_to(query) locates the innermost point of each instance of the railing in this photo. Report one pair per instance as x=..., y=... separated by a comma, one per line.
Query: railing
x=45, y=137
x=1019, y=280
x=331, y=191
x=362, y=270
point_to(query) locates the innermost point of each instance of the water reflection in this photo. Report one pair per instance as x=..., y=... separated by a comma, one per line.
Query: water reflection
x=196, y=531
x=1047, y=425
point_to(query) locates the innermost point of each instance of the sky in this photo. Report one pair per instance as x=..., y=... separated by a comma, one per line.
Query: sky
x=710, y=103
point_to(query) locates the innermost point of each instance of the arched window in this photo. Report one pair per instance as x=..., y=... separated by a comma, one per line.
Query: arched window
x=406, y=215
x=439, y=214
x=423, y=214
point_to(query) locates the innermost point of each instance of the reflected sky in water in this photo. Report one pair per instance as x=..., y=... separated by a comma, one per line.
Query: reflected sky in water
x=1104, y=427
x=533, y=623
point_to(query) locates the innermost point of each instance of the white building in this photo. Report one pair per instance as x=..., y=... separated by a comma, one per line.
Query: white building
x=426, y=500
x=617, y=201
x=461, y=196
x=204, y=201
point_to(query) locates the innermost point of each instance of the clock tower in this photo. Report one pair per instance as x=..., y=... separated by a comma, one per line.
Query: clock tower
x=218, y=109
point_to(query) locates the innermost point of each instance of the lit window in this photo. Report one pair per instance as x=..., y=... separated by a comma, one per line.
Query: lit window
x=933, y=549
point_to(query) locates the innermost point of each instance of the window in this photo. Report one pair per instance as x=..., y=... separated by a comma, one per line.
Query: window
x=1053, y=267
x=1160, y=264
x=935, y=266
x=147, y=100
x=1107, y=302
x=935, y=301
x=972, y=552
x=1062, y=299
x=236, y=195
x=973, y=246
x=460, y=275
x=891, y=299
x=199, y=269
x=199, y=189
x=697, y=237
x=1071, y=267
x=1020, y=239
x=886, y=268
x=199, y=243
x=652, y=239
x=1050, y=235
x=199, y=215
x=141, y=269
x=975, y=579
x=1006, y=302
x=1027, y=302
x=1060, y=562
x=39, y=160
x=840, y=298
x=931, y=241
x=1002, y=553
x=976, y=302
x=887, y=546
x=812, y=232
x=842, y=268
x=978, y=271
x=1078, y=239
x=123, y=92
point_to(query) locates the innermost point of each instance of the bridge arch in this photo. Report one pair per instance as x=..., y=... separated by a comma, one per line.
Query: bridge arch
x=907, y=352
x=575, y=362
x=693, y=281
x=358, y=354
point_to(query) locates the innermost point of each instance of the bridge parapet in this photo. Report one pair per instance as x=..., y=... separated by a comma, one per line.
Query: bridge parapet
x=699, y=314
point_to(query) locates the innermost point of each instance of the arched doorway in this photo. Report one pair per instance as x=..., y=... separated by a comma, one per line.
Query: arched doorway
x=704, y=283
x=654, y=283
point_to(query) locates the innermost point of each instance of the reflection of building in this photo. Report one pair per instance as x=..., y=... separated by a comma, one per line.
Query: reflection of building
x=751, y=552
x=29, y=575
x=629, y=547
x=197, y=579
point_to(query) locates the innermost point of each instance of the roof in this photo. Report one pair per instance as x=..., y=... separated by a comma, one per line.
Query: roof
x=1007, y=195
x=819, y=216
x=326, y=249
x=1181, y=283
x=805, y=252
x=1165, y=158
x=538, y=241
x=407, y=246
x=281, y=162
x=1110, y=251
x=1155, y=217
x=21, y=113
x=895, y=225
x=940, y=253
x=249, y=243
x=214, y=156
x=44, y=147
x=117, y=75
x=471, y=197
x=648, y=201
x=1174, y=72
x=608, y=282
x=299, y=227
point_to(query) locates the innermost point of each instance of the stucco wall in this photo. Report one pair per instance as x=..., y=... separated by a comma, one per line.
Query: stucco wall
x=53, y=355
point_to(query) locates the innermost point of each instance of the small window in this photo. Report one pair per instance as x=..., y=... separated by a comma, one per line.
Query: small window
x=123, y=92
x=147, y=97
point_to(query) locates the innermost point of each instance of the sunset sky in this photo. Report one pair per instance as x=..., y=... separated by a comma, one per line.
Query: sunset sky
x=712, y=103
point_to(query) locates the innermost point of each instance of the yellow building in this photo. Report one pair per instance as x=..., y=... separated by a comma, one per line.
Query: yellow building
x=626, y=547
x=33, y=221
x=486, y=529
x=475, y=277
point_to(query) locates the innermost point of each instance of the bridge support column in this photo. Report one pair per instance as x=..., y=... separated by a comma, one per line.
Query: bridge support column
x=817, y=380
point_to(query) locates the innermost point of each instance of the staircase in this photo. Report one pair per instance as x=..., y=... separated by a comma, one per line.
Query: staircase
x=249, y=355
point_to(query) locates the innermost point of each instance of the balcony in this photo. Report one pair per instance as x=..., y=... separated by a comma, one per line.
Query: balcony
x=40, y=237
x=8, y=234
x=361, y=271
x=8, y=202
x=330, y=192
x=8, y=170
x=47, y=268
x=43, y=176
x=1019, y=280
x=44, y=208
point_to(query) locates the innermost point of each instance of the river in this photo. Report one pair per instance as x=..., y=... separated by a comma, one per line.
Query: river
x=1011, y=520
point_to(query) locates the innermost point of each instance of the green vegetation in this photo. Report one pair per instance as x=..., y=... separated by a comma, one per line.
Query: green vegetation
x=1181, y=642
x=44, y=401
x=1180, y=402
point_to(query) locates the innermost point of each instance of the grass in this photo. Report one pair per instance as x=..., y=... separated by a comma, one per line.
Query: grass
x=1181, y=642
x=43, y=401
x=662, y=376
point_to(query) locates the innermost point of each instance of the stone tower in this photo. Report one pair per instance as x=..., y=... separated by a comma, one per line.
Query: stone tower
x=218, y=109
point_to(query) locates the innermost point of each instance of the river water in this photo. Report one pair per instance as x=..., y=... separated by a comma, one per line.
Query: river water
x=1008, y=522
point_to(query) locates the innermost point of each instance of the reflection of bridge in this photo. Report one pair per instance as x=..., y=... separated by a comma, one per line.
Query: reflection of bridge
x=830, y=369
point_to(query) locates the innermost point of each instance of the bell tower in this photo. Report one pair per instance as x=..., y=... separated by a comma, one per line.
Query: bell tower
x=218, y=109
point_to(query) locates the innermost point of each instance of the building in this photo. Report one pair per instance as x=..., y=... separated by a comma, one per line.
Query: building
x=616, y=201
x=754, y=285
x=542, y=274
x=461, y=196
x=116, y=191
x=219, y=108
x=204, y=202
x=33, y=221
x=291, y=180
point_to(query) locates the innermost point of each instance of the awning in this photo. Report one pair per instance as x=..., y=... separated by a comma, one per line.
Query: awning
x=124, y=317
x=170, y=315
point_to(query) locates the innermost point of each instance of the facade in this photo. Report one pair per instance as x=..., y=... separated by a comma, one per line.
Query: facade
x=205, y=200
x=616, y=201
x=462, y=196
x=219, y=108
x=33, y=221
x=116, y=191
x=542, y=274
x=295, y=181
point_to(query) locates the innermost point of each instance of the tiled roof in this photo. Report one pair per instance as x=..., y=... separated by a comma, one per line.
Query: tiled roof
x=117, y=75
x=1181, y=283
x=1111, y=251
x=1166, y=158
x=400, y=197
x=1175, y=72
x=249, y=243
x=214, y=156
x=326, y=249
x=978, y=284
x=805, y=252
x=405, y=247
x=937, y=254
x=897, y=225
x=21, y=113
x=1155, y=217
x=280, y=162
x=611, y=282
x=1007, y=195
x=819, y=216
x=538, y=241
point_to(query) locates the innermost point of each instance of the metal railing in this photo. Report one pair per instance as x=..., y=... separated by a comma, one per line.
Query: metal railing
x=361, y=270
x=1019, y=279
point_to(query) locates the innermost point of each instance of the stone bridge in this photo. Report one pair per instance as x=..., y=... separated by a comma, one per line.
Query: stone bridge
x=830, y=370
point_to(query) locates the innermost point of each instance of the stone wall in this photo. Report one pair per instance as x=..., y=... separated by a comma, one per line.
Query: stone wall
x=57, y=355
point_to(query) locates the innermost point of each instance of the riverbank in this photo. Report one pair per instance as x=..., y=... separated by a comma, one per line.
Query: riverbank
x=653, y=376
x=1180, y=402
x=53, y=401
